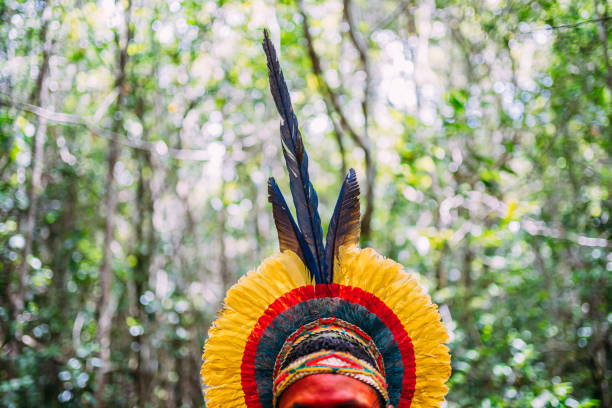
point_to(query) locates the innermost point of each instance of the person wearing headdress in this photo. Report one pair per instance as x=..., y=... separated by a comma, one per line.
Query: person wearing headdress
x=323, y=324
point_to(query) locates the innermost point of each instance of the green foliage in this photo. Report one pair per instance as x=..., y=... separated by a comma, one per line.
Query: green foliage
x=490, y=124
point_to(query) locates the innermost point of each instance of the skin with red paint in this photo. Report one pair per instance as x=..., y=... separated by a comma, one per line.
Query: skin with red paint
x=330, y=391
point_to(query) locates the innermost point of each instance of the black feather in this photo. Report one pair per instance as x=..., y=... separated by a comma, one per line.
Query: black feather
x=286, y=227
x=289, y=235
x=344, y=226
x=304, y=194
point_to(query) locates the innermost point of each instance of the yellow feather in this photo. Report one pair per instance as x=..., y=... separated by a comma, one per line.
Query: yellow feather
x=244, y=304
x=388, y=281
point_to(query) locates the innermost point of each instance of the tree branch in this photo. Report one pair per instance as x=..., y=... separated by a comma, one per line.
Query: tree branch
x=574, y=25
x=386, y=22
x=338, y=134
x=158, y=148
x=332, y=102
x=362, y=49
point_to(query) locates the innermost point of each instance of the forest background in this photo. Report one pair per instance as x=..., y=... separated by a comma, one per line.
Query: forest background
x=136, y=139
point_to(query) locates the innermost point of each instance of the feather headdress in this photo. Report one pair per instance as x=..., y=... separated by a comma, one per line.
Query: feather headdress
x=311, y=281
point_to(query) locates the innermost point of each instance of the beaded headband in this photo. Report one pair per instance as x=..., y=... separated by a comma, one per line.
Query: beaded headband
x=333, y=362
x=334, y=330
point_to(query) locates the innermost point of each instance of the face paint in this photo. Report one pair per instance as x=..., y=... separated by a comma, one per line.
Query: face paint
x=329, y=391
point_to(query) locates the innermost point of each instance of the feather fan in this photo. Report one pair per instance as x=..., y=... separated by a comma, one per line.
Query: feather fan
x=304, y=194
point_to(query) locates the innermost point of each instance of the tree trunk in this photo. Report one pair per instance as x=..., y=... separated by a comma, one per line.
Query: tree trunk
x=40, y=97
x=145, y=242
x=107, y=303
x=223, y=266
x=603, y=37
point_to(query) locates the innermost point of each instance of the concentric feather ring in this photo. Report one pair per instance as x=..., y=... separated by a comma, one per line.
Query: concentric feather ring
x=375, y=293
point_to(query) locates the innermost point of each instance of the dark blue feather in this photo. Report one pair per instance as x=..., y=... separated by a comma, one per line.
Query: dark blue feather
x=289, y=235
x=304, y=195
x=344, y=226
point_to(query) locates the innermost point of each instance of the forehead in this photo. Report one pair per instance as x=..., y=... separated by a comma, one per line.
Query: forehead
x=329, y=391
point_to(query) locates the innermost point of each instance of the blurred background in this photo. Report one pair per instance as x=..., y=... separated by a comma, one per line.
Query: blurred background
x=137, y=137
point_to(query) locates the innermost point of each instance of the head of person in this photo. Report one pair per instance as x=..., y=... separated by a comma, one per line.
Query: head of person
x=330, y=363
x=330, y=391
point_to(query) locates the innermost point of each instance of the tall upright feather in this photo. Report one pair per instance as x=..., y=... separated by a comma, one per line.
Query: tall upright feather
x=304, y=194
x=345, y=225
x=289, y=235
